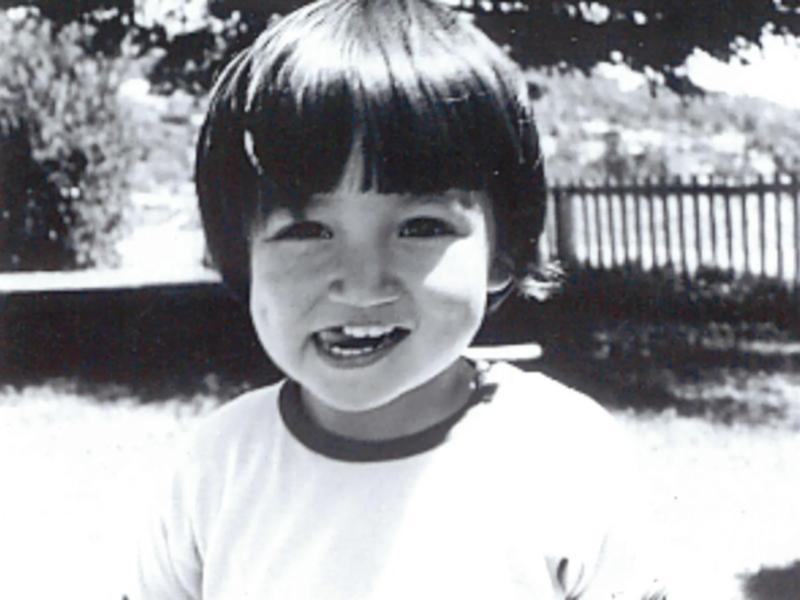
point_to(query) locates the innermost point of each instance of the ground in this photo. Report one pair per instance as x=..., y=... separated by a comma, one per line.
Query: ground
x=724, y=499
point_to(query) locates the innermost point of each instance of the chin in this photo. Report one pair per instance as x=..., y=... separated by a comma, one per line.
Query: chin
x=352, y=398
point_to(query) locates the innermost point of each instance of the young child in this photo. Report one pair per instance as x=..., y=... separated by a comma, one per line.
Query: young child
x=370, y=182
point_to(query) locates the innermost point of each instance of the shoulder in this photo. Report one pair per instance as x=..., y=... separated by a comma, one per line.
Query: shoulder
x=221, y=448
x=256, y=404
x=231, y=430
x=572, y=459
x=537, y=402
x=563, y=439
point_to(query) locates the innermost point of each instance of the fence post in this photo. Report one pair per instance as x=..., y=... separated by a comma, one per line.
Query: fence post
x=762, y=224
x=637, y=205
x=745, y=232
x=668, y=233
x=712, y=212
x=698, y=239
x=728, y=198
x=651, y=208
x=682, y=239
x=795, y=195
x=565, y=228
x=612, y=230
x=778, y=199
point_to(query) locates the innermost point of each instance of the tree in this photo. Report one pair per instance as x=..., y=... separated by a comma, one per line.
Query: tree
x=651, y=36
x=654, y=37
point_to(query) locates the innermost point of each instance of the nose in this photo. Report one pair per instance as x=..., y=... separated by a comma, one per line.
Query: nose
x=363, y=278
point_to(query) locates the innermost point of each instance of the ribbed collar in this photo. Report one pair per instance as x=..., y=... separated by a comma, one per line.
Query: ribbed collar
x=338, y=447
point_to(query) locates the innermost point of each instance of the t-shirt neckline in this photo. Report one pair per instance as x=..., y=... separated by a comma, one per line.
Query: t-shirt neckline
x=339, y=447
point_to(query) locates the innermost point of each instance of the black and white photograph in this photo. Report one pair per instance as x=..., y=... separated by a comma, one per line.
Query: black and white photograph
x=392, y=299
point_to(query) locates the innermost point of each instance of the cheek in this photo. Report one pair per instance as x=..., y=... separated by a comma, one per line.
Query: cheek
x=274, y=318
x=278, y=271
x=460, y=277
x=270, y=285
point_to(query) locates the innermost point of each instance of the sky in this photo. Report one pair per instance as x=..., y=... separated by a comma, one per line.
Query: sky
x=771, y=72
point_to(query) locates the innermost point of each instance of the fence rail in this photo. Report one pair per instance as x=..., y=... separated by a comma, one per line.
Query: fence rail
x=749, y=228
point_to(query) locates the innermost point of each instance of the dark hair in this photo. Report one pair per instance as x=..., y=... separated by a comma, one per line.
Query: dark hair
x=425, y=97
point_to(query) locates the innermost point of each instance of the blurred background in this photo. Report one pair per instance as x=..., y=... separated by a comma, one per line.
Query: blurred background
x=671, y=137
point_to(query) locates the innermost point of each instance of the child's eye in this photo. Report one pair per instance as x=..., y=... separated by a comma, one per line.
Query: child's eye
x=304, y=230
x=426, y=227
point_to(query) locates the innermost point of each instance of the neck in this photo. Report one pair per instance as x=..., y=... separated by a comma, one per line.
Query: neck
x=409, y=413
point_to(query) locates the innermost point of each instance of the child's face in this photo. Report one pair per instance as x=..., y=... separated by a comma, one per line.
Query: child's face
x=368, y=296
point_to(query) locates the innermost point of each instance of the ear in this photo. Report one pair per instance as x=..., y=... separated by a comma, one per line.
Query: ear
x=501, y=273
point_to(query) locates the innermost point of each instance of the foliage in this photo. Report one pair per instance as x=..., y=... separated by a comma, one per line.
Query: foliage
x=192, y=60
x=64, y=13
x=593, y=130
x=651, y=37
x=79, y=146
x=34, y=217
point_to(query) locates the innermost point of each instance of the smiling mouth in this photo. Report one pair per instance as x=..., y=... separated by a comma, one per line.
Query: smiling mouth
x=358, y=341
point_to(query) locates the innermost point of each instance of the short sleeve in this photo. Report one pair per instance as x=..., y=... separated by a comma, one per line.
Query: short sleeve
x=165, y=562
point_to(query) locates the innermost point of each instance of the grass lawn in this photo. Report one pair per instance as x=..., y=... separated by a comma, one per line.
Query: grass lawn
x=724, y=501
x=77, y=466
x=76, y=470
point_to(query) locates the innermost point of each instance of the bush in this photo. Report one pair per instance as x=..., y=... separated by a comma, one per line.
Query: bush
x=66, y=146
x=34, y=217
x=191, y=60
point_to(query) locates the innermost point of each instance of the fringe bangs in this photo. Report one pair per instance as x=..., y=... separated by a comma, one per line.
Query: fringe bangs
x=413, y=92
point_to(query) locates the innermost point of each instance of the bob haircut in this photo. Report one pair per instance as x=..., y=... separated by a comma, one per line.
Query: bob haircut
x=421, y=94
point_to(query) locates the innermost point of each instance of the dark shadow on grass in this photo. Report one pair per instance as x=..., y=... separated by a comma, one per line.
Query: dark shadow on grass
x=149, y=343
x=654, y=365
x=773, y=583
x=644, y=389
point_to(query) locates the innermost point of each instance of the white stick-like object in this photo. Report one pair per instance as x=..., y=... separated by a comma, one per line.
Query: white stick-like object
x=508, y=352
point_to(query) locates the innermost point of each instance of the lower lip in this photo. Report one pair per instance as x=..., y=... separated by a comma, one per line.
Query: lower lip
x=359, y=361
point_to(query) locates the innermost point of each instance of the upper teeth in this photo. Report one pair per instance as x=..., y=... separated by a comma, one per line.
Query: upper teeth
x=365, y=331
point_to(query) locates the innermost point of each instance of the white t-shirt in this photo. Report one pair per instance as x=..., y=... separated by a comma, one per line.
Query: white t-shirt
x=516, y=496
